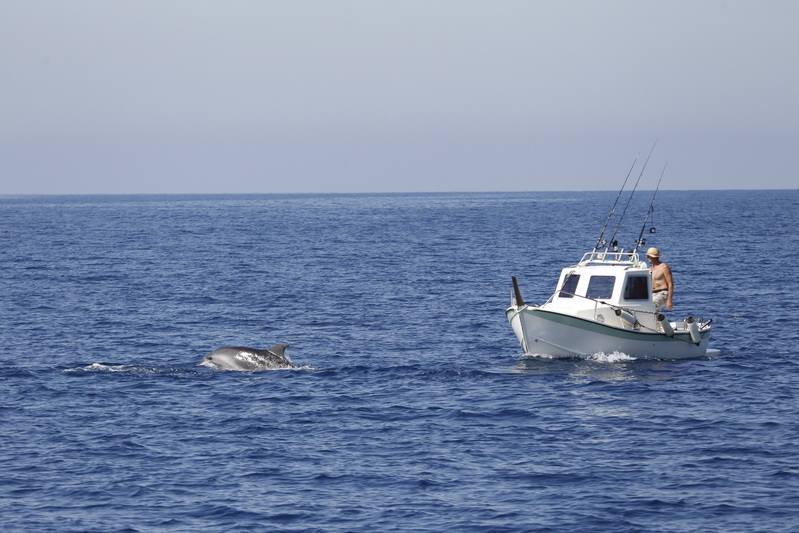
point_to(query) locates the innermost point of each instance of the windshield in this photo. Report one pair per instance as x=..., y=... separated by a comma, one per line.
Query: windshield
x=600, y=287
x=569, y=286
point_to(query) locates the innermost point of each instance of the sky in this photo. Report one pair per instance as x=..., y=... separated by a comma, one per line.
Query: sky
x=237, y=96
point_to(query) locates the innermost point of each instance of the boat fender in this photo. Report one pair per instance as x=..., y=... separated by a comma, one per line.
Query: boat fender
x=693, y=330
x=666, y=325
x=627, y=318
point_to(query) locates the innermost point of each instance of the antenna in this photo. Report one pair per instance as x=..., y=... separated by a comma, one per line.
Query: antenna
x=641, y=241
x=627, y=205
x=600, y=242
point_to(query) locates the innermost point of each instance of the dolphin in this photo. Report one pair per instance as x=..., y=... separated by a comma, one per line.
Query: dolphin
x=248, y=359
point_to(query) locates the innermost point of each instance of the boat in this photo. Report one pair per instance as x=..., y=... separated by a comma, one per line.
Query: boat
x=603, y=304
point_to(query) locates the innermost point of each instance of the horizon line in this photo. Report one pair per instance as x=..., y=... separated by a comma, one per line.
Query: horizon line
x=318, y=193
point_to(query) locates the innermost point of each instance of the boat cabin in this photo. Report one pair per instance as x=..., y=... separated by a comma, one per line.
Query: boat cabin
x=602, y=283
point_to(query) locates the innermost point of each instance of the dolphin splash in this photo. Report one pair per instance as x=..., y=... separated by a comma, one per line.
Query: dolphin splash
x=246, y=359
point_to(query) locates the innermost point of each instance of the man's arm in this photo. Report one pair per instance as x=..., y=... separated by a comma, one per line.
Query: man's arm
x=670, y=286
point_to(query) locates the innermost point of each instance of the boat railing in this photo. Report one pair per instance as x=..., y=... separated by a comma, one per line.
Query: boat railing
x=610, y=258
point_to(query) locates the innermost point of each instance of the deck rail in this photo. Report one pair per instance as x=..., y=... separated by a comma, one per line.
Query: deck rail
x=610, y=258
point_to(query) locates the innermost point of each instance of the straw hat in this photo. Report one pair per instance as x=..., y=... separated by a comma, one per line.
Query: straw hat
x=653, y=252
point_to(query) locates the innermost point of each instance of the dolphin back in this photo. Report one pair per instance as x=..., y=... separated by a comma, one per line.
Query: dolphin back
x=248, y=359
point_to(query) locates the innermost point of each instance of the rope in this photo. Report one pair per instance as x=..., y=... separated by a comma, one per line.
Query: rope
x=633, y=311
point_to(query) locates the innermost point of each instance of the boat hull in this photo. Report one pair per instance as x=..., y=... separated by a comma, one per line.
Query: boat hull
x=544, y=332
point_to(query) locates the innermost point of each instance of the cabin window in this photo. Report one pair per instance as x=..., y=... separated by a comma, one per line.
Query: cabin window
x=600, y=287
x=569, y=286
x=637, y=288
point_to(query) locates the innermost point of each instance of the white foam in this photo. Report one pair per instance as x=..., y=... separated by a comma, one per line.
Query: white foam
x=540, y=356
x=303, y=367
x=208, y=363
x=100, y=367
x=600, y=357
x=612, y=357
x=103, y=367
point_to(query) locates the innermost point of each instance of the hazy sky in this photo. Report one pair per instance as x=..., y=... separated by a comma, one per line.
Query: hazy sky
x=434, y=95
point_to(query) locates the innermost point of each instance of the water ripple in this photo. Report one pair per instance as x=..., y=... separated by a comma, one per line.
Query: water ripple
x=413, y=409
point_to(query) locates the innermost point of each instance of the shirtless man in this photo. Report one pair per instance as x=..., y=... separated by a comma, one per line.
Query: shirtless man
x=662, y=282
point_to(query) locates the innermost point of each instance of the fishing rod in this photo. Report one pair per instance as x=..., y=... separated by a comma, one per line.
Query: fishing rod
x=629, y=198
x=650, y=212
x=600, y=242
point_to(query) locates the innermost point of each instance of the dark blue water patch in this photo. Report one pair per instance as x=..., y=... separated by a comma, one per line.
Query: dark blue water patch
x=412, y=409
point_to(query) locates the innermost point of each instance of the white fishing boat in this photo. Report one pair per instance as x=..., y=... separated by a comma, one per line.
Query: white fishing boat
x=604, y=304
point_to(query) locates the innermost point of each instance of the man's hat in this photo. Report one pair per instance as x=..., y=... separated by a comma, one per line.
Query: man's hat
x=653, y=252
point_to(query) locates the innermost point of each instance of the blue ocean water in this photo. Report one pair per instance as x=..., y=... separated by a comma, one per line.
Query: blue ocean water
x=413, y=409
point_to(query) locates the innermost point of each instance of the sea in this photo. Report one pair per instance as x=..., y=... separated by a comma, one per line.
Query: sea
x=411, y=407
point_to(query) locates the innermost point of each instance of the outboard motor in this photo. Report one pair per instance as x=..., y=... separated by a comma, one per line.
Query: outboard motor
x=693, y=330
x=666, y=325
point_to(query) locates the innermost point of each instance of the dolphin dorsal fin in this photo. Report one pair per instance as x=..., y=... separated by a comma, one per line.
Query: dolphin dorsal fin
x=278, y=349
